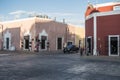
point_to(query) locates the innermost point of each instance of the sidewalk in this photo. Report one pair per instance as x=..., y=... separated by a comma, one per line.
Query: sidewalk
x=76, y=55
x=102, y=58
x=31, y=52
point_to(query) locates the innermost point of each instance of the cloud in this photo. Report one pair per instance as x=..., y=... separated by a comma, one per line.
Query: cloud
x=61, y=14
x=17, y=12
x=72, y=18
x=32, y=13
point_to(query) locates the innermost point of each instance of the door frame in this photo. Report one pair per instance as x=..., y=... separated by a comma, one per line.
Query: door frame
x=7, y=35
x=109, y=49
x=7, y=43
x=25, y=43
x=57, y=43
x=45, y=43
x=43, y=33
x=27, y=33
x=89, y=37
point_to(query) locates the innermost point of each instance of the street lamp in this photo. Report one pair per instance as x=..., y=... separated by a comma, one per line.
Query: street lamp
x=2, y=37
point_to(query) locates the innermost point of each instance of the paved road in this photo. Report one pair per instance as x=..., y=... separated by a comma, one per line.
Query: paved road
x=56, y=67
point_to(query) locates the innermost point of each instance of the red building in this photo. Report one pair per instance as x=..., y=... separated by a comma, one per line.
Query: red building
x=102, y=29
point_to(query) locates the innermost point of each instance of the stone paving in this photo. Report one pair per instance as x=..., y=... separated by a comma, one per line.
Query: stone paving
x=57, y=66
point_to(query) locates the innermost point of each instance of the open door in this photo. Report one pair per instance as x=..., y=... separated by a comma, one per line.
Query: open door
x=43, y=42
x=89, y=45
x=26, y=42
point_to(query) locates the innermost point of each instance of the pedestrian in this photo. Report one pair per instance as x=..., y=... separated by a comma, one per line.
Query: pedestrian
x=81, y=51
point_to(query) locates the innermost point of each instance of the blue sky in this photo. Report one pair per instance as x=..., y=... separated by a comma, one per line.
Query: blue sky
x=70, y=10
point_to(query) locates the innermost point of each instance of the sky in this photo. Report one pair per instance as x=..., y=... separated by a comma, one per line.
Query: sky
x=71, y=10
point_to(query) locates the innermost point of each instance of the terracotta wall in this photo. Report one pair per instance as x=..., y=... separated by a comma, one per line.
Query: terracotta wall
x=89, y=27
x=97, y=8
x=106, y=25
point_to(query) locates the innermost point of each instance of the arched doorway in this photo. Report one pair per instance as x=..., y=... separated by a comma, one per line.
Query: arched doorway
x=7, y=40
x=43, y=37
x=27, y=41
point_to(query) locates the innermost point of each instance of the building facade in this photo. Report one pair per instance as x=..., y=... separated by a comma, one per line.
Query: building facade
x=38, y=34
x=102, y=33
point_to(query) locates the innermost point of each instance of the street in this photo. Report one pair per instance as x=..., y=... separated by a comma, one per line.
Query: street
x=60, y=66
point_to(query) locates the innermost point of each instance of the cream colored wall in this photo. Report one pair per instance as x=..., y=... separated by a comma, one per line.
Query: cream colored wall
x=79, y=33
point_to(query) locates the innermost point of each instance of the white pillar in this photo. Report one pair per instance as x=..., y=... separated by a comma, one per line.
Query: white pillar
x=95, y=35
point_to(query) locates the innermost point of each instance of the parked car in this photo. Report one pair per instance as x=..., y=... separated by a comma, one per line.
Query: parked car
x=70, y=48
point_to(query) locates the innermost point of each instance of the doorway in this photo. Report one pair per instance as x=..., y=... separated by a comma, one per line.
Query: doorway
x=26, y=42
x=7, y=40
x=89, y=45
x=113, y=45
x=59, y=43
x=7, y=43
x=43, y=42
